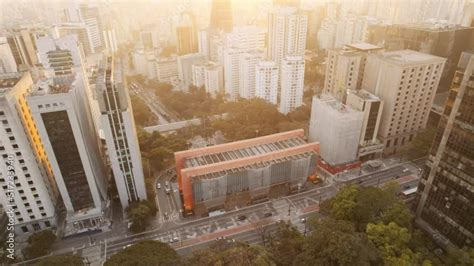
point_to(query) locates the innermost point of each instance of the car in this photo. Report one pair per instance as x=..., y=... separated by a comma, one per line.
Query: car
x=303, y=220
x=167, y=183
x=167, y=190
x=127, y=246
x=220, y=238
x=241, y=217
x=405, y=170
x=267, y=214
x=158, y=185
x=174, y=240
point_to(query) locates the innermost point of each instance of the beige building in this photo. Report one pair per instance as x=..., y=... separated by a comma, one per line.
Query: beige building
x=406, y=81
x=345, y=68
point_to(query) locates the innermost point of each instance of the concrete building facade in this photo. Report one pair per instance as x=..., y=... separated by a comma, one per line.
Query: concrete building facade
x=248, y=65
x=224, y=176
x=7, y=61
x=266, y=81
x=120, y=135
x=406, y=81
x=291, y=83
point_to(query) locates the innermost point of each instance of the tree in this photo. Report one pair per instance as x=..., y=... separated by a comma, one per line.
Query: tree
x=392, y=242
x=147, y=252
x=336, y=242
x=39, y=244
x=139, y=213
x=464, y=256
x=262, y=230
x=285, y=244
x=70, y=260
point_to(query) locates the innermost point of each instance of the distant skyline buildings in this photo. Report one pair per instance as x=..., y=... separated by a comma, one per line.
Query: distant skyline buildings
x=221, y=15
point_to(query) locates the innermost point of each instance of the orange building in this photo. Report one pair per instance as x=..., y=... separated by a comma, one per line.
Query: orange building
x=234, y=174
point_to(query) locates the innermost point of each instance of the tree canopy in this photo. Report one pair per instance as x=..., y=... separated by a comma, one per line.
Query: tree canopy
x=140, y=213
x=145, y=253
x=39, y=244
x=60, y=260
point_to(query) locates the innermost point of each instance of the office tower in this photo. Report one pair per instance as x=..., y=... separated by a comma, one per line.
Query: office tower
x=291, y=83
x=81, y=33
x=406, y=81
x=287, y=28
x=216, y=46
x=232, y=72
x=345, y=68
x=166, y=68
x=119, y=131
x=335, y=34
x=221, y=15
x=31, y=197
x=185, y=68
x=203, y=42
x=445, y=192
x=266, y=81
x=149, y=39
x=89, y=16
x=22, y=45
x=7, y=61
x=244, y=171
x=337, y=128
x=247, y=73
x=58, y=56
x=187, y=42
x=62, y=114
x=210, y=76
x=247, y=38
x=361, y=100
x=110, y=41
x=447, y=42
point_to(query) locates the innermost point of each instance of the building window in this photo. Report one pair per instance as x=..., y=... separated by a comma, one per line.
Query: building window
x=24, y=229
x=388, y=143
x=47, y=224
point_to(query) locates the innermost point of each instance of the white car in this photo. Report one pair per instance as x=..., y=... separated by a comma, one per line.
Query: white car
x=158, y=185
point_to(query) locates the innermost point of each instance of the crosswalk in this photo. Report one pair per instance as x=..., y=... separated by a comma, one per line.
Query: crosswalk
x=174, y=216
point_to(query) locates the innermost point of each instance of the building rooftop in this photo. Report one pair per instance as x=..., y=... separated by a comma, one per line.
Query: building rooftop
x=364, y=46
x=410, y=57
x=334, y=104
x=56, y=85
x=365, y=95
x=8, y=82
x=433, y=27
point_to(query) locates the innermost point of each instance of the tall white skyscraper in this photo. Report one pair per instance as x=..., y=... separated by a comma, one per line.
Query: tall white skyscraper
x=62, y=114
x=203, y=42
x=7, y=61
x=88, y=15
x=248, y=64
x=120, y=135
x=247, y=38
x=291, y=83
x=110, y=40
x=185, y=68
x=287, y=28
x=266, y=81
x=29, y=192
x=407, y=82
x=232, y=72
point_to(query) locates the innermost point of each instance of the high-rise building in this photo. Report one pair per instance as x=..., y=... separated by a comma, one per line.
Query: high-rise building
x=287, y=30
x=360, y=100
x=439, y=40
x=59, y=56
x=221, y=15
x=445, y=193
x=232, y=72
x=166, y=68
x=337, y=128
x=80, y=31
x=185, y=68
x=61, y=111
x=334, y=34
x=187, y=40
x=345, y=68
x=7, y=61
x=291, y=83
x=29, y=191
x=203, y=36
x=149, y=39
x=406, y=81
x=89, y=16
x=22, y=45
x=266, y=81
x=119, y=131
x=247, y=73
x=110, y=41
x=247, y=38
x=210, y=76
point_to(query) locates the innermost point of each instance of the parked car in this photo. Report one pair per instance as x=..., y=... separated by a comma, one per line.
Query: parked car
x=241, y=217
x=158, y=185
x=267, y=214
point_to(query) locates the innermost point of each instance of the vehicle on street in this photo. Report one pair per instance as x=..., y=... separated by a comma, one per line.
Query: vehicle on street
x=167, y=183
x=267, y=214
x=158, y=186
x=174, y=240
x=167, y=190
x=127, y=246
x=241, y=217
x=220, y=238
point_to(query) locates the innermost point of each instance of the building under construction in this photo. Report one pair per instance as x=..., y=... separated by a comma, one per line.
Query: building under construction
x=239, y=173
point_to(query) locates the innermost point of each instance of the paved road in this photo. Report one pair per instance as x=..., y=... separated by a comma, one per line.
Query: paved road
x=199, y=233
